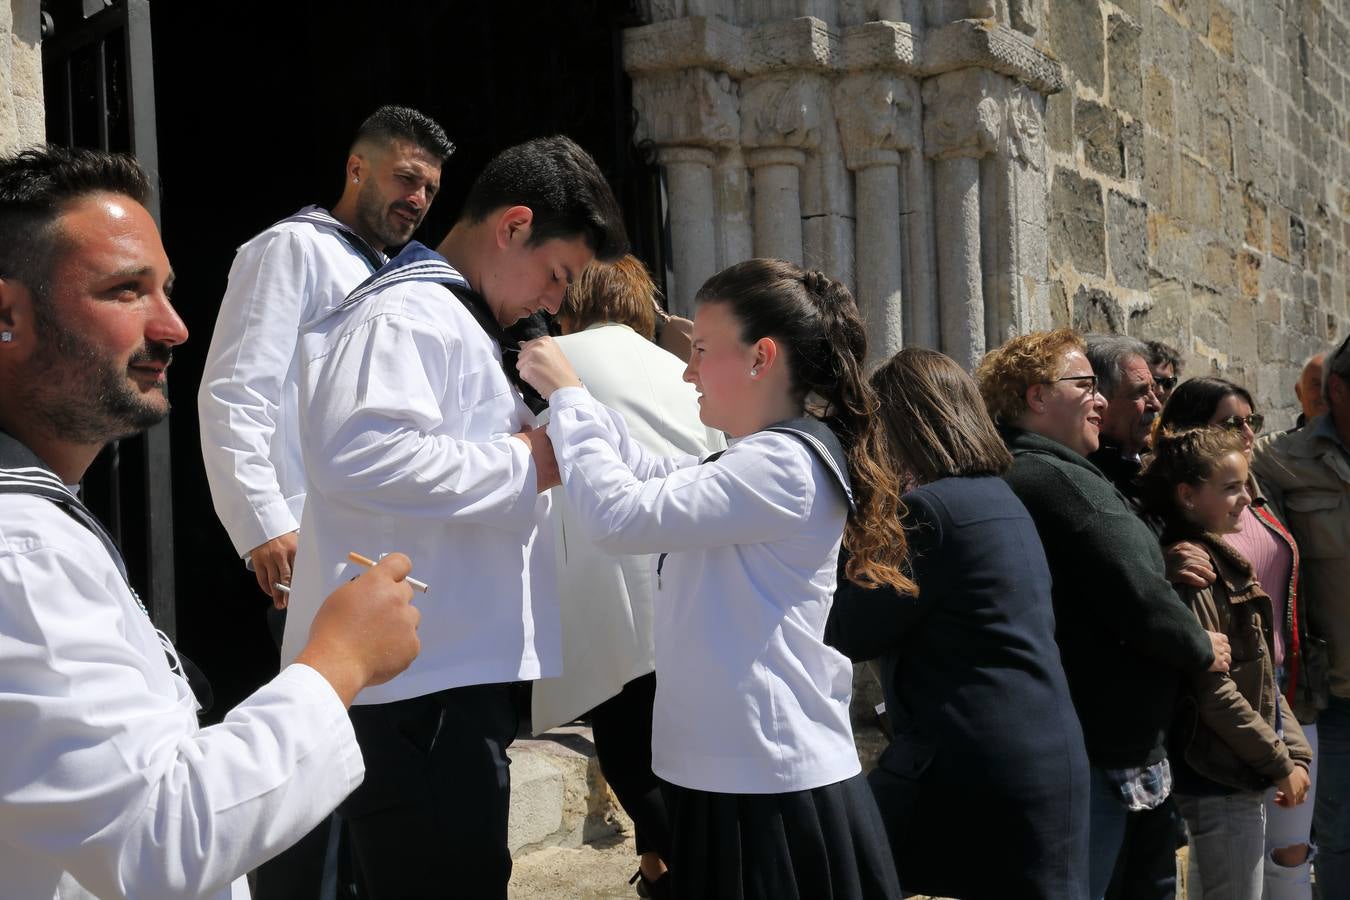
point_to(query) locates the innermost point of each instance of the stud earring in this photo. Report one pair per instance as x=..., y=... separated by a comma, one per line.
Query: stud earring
x=6, y=336
x=754, y=372
x=355, y=180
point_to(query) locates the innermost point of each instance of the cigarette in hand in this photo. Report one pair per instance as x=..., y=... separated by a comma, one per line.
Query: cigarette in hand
x=368, y=562
x=284, y=588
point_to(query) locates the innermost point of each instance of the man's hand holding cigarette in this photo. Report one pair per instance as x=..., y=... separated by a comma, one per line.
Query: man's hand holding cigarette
x=365, y=633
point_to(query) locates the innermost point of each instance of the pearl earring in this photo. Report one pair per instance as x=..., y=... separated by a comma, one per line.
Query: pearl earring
x=754, y=372
x=6, y=336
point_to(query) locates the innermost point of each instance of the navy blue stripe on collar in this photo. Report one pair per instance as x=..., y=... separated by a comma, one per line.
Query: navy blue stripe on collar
x=317, y=215
x=416, y=262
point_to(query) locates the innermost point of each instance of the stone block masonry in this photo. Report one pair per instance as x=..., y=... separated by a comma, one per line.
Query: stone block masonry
x=22, y=122
x=1199, y=164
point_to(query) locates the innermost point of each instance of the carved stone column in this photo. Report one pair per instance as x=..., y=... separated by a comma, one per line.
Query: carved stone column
x=875, y=112
x=781, y=119
x=689, y=115
x=961, y=125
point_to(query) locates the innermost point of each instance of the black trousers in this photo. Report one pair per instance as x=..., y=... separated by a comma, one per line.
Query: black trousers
x=296, y=873
x=1147, y=866
x=430, y=818
x=622, y=729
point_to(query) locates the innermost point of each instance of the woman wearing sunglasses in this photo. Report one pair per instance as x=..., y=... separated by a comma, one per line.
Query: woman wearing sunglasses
x=1300, y=658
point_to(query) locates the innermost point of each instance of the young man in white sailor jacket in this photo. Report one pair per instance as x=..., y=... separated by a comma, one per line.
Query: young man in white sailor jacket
x=414, y=437
x=108, y=786
x=294, y=270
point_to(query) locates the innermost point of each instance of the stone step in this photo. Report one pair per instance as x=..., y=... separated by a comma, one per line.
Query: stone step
x=559, y=798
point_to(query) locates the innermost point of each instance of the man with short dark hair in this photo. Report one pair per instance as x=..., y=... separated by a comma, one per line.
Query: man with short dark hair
x=414, y=437
x=108, y=786
x=291, y=272
x=1123, y=378
x=1164, y=364
x=1306, y=476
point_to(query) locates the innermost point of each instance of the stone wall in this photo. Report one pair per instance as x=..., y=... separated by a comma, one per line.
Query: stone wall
x=21, y=112
x=1200, y=179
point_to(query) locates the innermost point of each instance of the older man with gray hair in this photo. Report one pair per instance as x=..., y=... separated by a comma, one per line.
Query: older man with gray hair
x=1123, y=378
x=1306, y=477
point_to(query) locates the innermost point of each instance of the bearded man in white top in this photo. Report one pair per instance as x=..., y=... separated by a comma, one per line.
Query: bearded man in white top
x=608, y=318
x=108, y=786
x=412, y=431
x=283, y=277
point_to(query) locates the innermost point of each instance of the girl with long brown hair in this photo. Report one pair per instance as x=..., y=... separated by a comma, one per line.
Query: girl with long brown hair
x=751, y=728
x=986, y=742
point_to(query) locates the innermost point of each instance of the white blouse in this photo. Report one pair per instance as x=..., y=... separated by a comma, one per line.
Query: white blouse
x=749, y=698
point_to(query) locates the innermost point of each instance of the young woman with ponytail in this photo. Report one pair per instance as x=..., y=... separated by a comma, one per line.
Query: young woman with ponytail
x=751, y=729
x=1235, y=735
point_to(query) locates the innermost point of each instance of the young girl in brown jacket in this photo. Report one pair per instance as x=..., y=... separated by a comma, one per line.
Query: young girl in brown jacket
x=1235, y=735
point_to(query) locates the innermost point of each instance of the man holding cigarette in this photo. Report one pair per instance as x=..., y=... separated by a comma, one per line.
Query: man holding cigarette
x=108, y=787
x=413, y=437
x=281, y=278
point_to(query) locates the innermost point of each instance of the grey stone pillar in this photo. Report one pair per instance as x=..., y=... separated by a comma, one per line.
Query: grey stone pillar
x=960, y=277
x=778, y=202
x=923, y=328
x=691, y=115
x=781, y=119
x=693, y=246
x=735, y=234
x=875, y=111
x=961, y=125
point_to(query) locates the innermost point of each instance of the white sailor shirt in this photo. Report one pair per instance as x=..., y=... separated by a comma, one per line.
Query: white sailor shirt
x=106, y=777
x=280, y=279
x=749, y=698
x=406, y=424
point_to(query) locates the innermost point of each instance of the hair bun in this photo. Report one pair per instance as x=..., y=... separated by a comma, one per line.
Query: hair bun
x=817, y=282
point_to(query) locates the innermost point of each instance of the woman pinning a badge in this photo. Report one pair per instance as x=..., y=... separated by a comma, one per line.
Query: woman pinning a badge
x=751, y=732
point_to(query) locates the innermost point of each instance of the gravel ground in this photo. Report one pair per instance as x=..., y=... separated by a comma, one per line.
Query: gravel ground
x=595, y=871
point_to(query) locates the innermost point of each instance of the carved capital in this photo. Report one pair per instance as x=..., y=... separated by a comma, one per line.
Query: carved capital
x=775, y=156
x=677, y=155
x=877, y=115
x=963, y=114
x=1025, y=133
x=693, y=107
x=783, y=111
x=974, y=113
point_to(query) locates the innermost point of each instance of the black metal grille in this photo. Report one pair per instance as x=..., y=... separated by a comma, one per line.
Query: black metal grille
x=99, y=88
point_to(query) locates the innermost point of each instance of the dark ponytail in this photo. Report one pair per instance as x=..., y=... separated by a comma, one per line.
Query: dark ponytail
x=817, y=326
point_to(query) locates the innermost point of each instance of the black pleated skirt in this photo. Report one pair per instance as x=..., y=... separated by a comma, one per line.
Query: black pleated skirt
x=827, y=843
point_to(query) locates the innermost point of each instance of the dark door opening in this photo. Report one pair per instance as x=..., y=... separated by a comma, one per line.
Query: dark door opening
x=256, y=103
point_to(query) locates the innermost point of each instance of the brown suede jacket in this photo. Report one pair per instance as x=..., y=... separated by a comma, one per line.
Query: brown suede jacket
x=1226, y=721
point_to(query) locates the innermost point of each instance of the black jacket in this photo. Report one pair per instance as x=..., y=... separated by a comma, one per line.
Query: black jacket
x=1125, y=637
x=987, y=744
